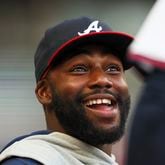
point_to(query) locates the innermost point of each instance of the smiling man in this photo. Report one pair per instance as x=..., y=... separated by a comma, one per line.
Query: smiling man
x=79, y=67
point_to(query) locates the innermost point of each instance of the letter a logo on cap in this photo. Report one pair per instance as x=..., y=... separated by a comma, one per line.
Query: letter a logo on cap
x=92, y=27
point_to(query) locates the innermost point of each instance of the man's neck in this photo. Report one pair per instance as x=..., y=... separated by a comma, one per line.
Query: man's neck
x=107, y=148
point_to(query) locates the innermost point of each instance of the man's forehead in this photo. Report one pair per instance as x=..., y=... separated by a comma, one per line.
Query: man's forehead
x=89, y=49
x=86, y=49
x=95, y=48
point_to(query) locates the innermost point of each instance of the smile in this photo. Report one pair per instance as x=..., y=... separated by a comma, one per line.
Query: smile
x=102, y=102
x=102, y=106
x=98, y=102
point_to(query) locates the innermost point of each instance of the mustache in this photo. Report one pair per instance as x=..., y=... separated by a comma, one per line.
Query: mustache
x=81, y=97
x=119, y=98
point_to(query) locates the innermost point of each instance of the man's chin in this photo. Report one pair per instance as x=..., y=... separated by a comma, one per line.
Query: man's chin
x=97, y=137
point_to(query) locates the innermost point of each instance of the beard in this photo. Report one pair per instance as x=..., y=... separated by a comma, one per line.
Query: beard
x=73, y=118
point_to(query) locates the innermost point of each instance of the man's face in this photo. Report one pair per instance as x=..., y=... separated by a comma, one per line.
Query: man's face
x=90, y=96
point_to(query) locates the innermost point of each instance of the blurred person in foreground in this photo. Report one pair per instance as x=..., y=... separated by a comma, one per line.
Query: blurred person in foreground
x=146, y=140
x=80, y=81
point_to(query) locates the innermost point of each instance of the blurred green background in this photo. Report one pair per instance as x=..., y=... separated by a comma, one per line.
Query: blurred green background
x=22, y=24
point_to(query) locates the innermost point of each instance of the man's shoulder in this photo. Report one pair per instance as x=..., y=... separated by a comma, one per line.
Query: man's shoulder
x=22, y=160
x=41, y=132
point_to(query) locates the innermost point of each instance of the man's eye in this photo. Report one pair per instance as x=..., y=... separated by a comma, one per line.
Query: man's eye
x=79, y=69
x=113, y=69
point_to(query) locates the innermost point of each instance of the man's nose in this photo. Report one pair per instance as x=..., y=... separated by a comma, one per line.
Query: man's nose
x=99, y=79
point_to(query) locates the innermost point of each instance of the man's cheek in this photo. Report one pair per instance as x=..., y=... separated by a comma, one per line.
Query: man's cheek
x=71, y=90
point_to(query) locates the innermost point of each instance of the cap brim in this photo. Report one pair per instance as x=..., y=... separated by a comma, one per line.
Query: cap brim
x=118, y=40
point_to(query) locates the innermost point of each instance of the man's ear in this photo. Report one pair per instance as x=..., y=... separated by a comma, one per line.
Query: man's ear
x=43, y=92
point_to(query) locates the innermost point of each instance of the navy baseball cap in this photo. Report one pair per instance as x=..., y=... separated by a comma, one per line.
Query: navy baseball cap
x=69, y=34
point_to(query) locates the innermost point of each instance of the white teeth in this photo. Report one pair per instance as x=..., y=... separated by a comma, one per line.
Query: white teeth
x=106, y=101
x=90, y=102
x=98, y=101
x=94, y=102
